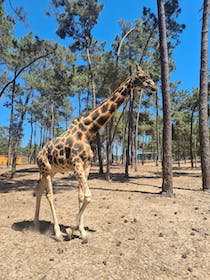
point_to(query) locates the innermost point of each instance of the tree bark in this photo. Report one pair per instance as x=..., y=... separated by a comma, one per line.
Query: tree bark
x=203, y=101
x=30, y=141
x=18, y=134
x=52, y=125
x=35, y=144
x=92, y=82
x=136, y=133
x=191, y=137
x=129, y=135
x=157, y=131
x=109, y=149
x=11, y=122
x=124, y=131
x=100, y=159
x=167, y=184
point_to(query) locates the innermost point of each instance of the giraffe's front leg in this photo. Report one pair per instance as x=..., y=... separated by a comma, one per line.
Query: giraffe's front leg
x=49, y=195
x=84, y=200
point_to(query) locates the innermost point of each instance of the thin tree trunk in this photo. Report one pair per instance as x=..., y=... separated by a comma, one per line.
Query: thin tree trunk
x=178, y=151
x=79, y=103
x=191, y=137
x=92, y=82
x=167, y=184
x=124, y=129
x=18, y=134
x=203, y=101
x=132, y=146
x=30, y=142
x=109, y=149
x=14, y=160
x=136, y=132
x=41, y=136
x=129, y=135
x=52, y=126
x=142, y=159
x=195, y=151
x=35, y=144
x=100, y=159
x=157, y=131
x=11, y=122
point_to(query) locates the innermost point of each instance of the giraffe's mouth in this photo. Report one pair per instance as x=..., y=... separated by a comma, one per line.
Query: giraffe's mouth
x=155, y=88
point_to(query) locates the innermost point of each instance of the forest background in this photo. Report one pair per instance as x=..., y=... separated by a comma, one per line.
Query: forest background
x=51, y=82
x=106, y=29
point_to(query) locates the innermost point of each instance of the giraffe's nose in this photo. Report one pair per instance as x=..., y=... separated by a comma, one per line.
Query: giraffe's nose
x=154, y=87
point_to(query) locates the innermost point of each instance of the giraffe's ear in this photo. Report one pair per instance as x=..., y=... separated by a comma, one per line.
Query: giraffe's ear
x=138, y=68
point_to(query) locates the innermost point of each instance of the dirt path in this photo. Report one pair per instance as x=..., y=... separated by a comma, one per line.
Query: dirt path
x=133, y=232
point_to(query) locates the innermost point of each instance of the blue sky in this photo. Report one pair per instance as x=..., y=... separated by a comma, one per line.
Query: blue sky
x=186, y=55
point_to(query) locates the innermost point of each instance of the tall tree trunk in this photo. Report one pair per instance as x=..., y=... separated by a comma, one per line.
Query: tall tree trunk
x=109, y=149
x=191, y=137
x=35, y=144
x=157, y=131
x=10, y=140
x=14, y=161
x=129, y=136
x=41, y=136
x=79, y=104
x=132, y=134
x=91, y=80
x=30, y=141
x=136, y=133
x=143, y=145
x=52, y=125
x=18, y=134
x=93, y=89
x=203, y=101
x=100, y=159
x=178, y=151
x=167, y=184
x=124, y=131
x=195, y=151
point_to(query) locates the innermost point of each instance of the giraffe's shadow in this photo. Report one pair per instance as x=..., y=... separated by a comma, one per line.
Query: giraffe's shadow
x=45, y=227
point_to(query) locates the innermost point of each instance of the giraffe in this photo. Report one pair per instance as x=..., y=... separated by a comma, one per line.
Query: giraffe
x=71, y=151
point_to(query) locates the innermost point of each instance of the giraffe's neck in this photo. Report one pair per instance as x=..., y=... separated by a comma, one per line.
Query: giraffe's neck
x=103, y=113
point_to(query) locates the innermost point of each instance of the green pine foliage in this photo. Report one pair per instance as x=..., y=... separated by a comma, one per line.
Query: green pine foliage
x=40, y=78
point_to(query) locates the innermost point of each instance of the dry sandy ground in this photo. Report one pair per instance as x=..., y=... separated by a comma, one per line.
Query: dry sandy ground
x=133, y=232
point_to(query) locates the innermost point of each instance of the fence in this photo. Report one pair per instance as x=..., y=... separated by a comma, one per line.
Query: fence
x=20, y=160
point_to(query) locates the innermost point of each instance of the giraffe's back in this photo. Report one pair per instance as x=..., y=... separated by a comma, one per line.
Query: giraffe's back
x=61, y=153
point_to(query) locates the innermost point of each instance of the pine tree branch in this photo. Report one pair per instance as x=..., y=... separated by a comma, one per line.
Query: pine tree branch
x=21, y=70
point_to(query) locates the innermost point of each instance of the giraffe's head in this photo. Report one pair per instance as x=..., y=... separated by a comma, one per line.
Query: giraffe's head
x=143, y=80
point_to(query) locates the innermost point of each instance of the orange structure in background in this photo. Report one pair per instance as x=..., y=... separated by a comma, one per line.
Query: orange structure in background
x=20, y=160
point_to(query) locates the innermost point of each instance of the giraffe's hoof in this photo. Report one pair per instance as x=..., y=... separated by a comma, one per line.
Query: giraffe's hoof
x=57, y=238
x=85, y=241
x=69, y=231
x=70, y=234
